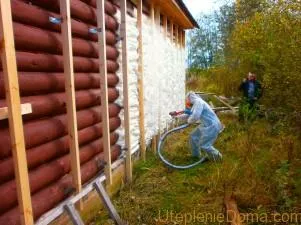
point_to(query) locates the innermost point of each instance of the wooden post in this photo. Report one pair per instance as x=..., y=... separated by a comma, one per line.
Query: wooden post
x=11, y=83
x=171, y=31
x=140, y=80
x=104, y=89
x=165, y=26
x=158, y=18
x=152, y=15
x=180, y=39
x=126, y=91
x=184, y=39
x=70, y=93
x=177, y=35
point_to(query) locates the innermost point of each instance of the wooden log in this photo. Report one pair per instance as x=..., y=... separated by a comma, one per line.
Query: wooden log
x=225, y=103
x=107, y=4
x=58, y=191
x=42, y=131
x=38, y=17
x=33, y=62
x=31, y=39
x=79, y=10
x=54, y=104
x=44, y=153
x=35, y=83
x=49, y=173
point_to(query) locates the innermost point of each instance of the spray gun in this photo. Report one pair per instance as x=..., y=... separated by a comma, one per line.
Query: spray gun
x=186, y=111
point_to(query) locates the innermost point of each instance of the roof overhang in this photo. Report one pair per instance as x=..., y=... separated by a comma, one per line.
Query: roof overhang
x=177, y=12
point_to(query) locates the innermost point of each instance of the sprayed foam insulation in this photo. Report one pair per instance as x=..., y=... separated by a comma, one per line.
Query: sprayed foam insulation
x=164, y=80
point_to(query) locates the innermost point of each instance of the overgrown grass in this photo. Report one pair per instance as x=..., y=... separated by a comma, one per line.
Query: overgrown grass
x=261, y=168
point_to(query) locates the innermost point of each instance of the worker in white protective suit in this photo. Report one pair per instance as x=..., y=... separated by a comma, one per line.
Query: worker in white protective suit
x=204, y=136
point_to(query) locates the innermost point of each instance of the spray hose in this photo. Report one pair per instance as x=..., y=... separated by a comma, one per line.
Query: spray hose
x=166, y=162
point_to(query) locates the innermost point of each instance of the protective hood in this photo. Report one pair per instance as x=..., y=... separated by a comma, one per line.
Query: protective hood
x=193, y=97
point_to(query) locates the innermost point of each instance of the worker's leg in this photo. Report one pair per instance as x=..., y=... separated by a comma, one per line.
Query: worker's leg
x=195, y=142
x=208, y=137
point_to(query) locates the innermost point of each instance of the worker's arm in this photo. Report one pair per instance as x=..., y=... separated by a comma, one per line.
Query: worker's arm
x=197, y=110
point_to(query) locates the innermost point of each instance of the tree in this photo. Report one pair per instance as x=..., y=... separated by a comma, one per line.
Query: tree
x=204, y=43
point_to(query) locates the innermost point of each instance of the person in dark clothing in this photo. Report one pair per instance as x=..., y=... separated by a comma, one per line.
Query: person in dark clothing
x=252, y=91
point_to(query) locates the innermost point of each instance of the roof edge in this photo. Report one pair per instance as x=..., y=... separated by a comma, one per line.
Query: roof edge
x=187, y=13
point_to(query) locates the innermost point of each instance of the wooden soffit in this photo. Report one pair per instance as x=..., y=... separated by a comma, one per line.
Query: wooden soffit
x=174, y=11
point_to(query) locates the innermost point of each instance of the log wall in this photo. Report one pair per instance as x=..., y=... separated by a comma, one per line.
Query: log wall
x=41, y=78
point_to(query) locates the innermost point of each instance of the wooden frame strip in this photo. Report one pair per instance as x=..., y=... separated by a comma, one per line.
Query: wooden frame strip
x=180, y=39
x=158, y=18
x=25, y=109
x=171, y=31
x=184, y=39
x=104, y=89
x=10, y=74
x=165, y=26
x=70, y=93
x=125, y=72
x=177, y=35
x=153, y=24
x=140, y=79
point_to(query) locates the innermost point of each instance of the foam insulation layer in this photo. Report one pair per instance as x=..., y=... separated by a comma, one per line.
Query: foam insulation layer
x=164, y=80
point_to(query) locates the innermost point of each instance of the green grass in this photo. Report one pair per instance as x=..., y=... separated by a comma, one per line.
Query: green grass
x=261, y=168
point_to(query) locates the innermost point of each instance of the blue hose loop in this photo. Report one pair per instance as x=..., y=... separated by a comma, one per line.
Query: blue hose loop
x=180, y=167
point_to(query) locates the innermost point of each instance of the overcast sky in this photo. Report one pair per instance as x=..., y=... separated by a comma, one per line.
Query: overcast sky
x=202, y=6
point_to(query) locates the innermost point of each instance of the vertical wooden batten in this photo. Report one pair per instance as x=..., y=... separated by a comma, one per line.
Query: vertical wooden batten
x=181, y=39
x=153, y=25
x=70, y=93
x=171, y=31
x=177, y=35
x=125, y=73
x=140, y=79
x=11, y=83
x=165, y=26
x=184, y=39
x=104, y=89
x=158, y=18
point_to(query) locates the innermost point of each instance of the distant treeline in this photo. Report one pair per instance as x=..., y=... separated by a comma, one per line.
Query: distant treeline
x=261, y=36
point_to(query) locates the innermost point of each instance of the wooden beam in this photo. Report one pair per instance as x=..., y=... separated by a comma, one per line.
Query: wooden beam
x=125, y=73
x=158, y=18
x=140, y=79
x=225, y=103
x=70, y=93
x=25, y=109
x=184, y=39
x=180, y=39
x=104, y=89
x=11, y=83
x=165, y=26
x=152, y=16
x=171, y=31
x=177, y=35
